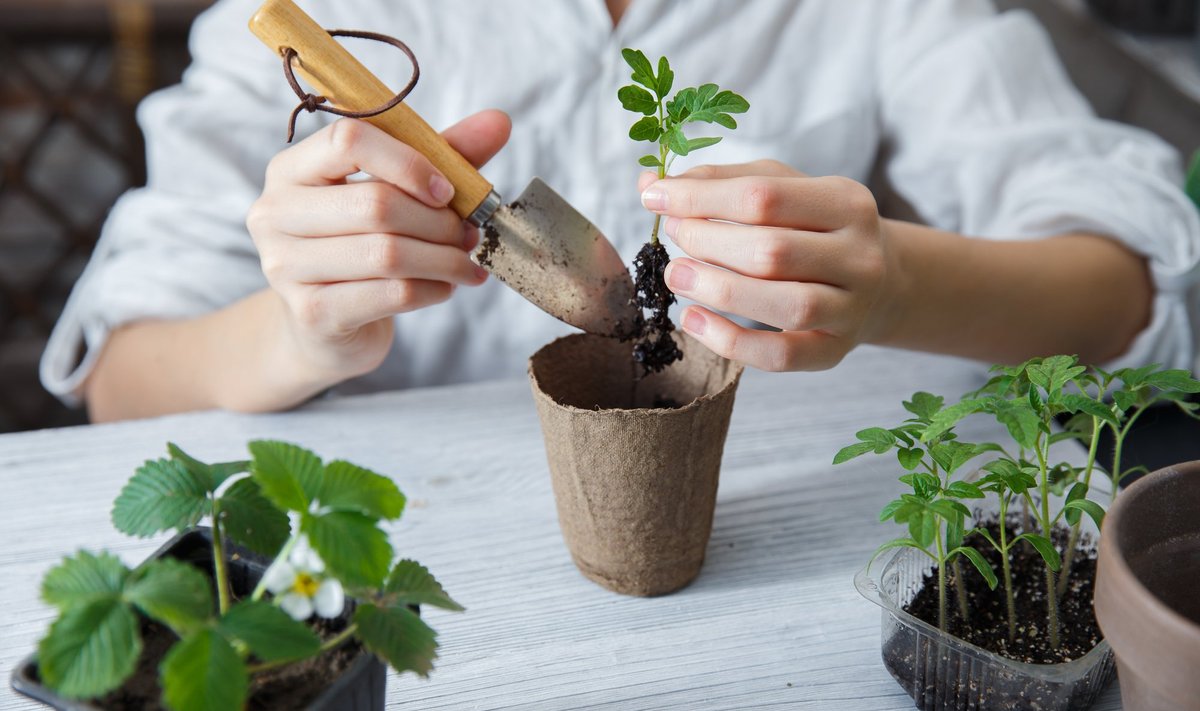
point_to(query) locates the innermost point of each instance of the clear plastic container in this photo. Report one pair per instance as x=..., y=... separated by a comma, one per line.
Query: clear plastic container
x=941, y=672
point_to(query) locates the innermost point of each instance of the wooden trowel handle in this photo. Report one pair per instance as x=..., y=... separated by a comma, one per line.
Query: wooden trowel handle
x=347, y=84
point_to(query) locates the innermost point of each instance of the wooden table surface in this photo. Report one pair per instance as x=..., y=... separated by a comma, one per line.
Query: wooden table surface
x=773, y=621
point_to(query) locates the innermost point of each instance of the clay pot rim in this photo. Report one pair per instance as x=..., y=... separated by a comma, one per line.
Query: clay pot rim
x=1147, y=602
x=868, y=585
x=738, y=369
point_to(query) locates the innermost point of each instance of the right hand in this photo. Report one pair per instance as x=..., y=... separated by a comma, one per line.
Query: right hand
x=345, y=257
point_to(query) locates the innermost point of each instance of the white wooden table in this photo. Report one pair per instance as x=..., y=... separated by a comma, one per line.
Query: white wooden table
x=772, y=621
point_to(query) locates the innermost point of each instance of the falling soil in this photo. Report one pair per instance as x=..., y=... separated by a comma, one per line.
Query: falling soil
x=291, y=686
x=987, y=626
x=654, y=347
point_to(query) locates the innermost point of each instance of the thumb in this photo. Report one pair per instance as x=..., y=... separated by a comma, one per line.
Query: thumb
x=480, y=136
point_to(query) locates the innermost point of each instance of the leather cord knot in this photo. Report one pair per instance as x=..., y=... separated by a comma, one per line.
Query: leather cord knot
x=312, y=103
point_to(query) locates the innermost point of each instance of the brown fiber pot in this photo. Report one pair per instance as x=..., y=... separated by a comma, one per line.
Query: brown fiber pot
x=1148, y=589
x=635, y=483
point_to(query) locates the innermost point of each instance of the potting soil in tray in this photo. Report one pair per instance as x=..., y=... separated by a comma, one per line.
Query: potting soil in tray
x=292, y=686
x=988, y=624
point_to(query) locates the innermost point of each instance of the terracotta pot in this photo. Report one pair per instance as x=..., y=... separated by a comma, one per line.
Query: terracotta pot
x=361, y=687
x=635, y=481
x=1148, y=589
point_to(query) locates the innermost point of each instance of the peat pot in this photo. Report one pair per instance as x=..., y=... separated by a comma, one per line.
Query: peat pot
x=944, y=673
x=361, y=687
x=634, y=461
x=1148, y=589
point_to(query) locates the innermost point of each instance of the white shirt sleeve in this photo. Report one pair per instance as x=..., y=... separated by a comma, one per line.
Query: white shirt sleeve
x=991, y=139
x=179, y=248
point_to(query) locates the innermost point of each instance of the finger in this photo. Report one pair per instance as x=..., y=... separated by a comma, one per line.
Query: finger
x=377, y=256
x=480, y=136
x=344, y=307
x=764, y=166
x=791, y=306
x=356, y=208
x=348, y=146
x=767, y=253
x=817, y=204
x=766, y=350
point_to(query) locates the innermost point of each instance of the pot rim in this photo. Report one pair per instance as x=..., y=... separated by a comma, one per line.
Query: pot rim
x=1114, y=559
x=868, y=585
x=540, y=392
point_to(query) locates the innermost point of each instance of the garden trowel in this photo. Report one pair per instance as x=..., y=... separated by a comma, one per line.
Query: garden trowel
x=539, y=245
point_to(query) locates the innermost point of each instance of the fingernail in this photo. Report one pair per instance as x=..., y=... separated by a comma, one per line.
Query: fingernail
x=694, y=322
x=470, y=238
x=654, y=199
x=681, y=277
x=670, y=225
x=440, y=189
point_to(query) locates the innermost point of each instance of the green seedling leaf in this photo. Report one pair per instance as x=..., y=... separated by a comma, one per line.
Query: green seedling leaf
x=90, y=649
x=84, y=578
x=845, y=454
x=1134, y=378
x=397, y=636
x=643, y=72
x=204, y=673
x=349, y=487
x=666, y=77
x=909, y=507
x=637, y=99
x=1044, y=548
x=650, y=161
x=1022, y=422
x=212, y=474
x=923, y=527
x=924, y=485
x=1176, y=380
x=954, y=532
x=172, y=592
x=354, y=549
x=252, y=520
x=1124, y=399
x=924, y=405
x=161, y=495
x=1091, y=508
x=1075, y=402
x=891, y=508
x=676, y=141
x=949, y=509
x=951, y=455
x=984, y=567
x=947, y=418
x=411, y=583
x=694, y=144
x=910, y=458
x=290, y=476
x=964, y=490
x=897, y=543
x=269, y=632
x=1060, y=477
x=879, y=438
x=646, y=129
x=1077, y=492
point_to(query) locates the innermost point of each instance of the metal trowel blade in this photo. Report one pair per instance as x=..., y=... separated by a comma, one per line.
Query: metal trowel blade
x=545, y=250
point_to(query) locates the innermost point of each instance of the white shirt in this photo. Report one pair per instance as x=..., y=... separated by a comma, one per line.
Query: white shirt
x=987, y=138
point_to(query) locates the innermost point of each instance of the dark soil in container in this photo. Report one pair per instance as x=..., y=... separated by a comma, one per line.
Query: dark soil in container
x=915, y=661
x=292, y=686
x=988, y=623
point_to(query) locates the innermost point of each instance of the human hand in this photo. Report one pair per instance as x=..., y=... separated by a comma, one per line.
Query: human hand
x=345, y=257
x=805, y=255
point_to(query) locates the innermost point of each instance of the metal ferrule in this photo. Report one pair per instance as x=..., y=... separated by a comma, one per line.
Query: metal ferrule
x=486, y=209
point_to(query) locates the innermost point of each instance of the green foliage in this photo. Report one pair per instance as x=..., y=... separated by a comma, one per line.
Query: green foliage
x=663, y=116
x=1192, y=185
x=397, y=636
x=1028, y=400
x=94, y=644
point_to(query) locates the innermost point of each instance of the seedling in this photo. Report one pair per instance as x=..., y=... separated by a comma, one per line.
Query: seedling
x=662, y=123
x=320, y=522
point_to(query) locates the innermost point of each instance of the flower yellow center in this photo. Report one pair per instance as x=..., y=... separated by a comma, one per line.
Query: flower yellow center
x=306, y=584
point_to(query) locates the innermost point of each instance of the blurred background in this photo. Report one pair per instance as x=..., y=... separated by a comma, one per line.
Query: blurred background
x=72, y=72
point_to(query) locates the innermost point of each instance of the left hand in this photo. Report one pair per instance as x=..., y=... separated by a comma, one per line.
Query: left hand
x=806, y=255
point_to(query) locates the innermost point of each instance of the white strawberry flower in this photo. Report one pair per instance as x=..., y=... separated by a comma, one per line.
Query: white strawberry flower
x=300, y=586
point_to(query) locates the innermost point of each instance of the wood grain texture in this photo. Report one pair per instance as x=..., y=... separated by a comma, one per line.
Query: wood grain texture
x=335, y=74
x=773, y=621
